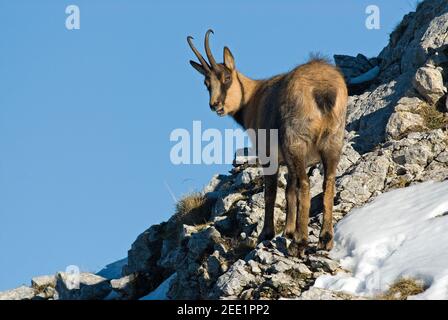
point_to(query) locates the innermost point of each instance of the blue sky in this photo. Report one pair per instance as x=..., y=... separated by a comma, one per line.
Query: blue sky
x=85, y=115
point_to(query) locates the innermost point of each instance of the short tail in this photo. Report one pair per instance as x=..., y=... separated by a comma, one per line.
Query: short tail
x=325, y=98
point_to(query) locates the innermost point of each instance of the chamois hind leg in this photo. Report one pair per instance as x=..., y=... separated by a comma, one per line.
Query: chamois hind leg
x=300, y=234
x=270, y=193
x=291, y=203
x=330, y=162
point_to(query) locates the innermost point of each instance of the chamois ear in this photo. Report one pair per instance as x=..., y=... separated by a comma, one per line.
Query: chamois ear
x=229, y=61
x=198, y=67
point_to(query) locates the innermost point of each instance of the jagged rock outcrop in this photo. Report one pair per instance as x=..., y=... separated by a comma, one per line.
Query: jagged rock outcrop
x=392, y=142
x=396, y=136
x=419, y=41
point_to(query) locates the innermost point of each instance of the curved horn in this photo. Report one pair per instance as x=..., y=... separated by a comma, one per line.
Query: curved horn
x=208, y=51
x=196, y=52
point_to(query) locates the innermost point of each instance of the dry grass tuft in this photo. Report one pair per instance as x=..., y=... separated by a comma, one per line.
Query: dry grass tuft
x=193, y=209
x=402, y=289
x=433, y=118
x=400, y=182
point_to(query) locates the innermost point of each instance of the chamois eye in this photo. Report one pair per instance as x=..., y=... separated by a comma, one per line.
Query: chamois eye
x=227, y=78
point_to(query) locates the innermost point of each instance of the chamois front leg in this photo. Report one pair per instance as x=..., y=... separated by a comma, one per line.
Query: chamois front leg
x=270, y=193
x=326, y=234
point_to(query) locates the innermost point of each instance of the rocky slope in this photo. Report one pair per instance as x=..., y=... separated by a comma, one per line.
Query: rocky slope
x=396, y=136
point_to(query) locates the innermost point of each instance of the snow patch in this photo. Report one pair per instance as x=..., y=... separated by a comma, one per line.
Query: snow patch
x=402, y=233
x=367, y=76
x=113, y=270
x=160, y=293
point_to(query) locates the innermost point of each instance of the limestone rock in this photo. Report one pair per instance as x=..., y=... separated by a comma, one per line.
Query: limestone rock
x=234, y=280
x=248, y=175
x=428, y=81
x=87, y=287
x=366, y=178
x=20, y=293
x=124, y=288
x=145, y=249
x=324, y=263
x=43, y=281
x=202, y=240
x=44, y=286
x=402, y=122
x=224, y=204
x=353, y=67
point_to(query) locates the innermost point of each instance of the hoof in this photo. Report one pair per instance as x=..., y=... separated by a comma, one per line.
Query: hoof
x=325, y=242
x=288, y=234
x=266, y=235
x=297, y=248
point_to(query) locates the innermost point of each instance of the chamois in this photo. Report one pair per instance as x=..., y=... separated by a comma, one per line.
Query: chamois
x=307, y=106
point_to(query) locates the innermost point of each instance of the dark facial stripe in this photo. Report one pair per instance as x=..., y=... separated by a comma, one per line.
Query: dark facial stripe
x=223, y=93
x=242, y=90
